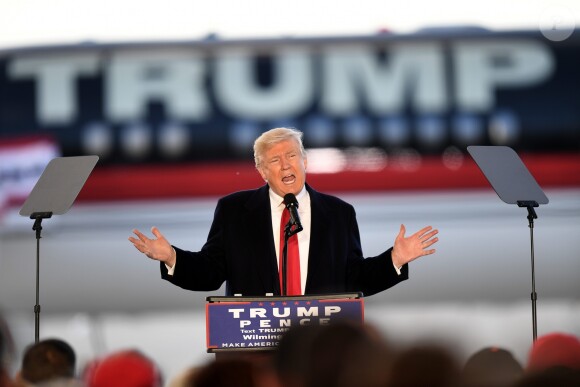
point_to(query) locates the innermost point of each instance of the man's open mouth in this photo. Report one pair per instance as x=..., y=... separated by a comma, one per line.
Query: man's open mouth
x=289, y=179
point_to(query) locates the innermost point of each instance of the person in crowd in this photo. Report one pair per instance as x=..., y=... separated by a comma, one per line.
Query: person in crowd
x=555, y=349
x=6, y=352
x=553, y=360
x=422, y=365
x=551, y=377
x=47, y=361
x=124, y=368
x=185, y=377
x=292, y=357
x=228, y=372
x=347, y=354
x=246, y=238
x=491, y=367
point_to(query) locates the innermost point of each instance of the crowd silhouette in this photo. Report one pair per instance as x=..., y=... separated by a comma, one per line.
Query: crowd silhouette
x=342, y=354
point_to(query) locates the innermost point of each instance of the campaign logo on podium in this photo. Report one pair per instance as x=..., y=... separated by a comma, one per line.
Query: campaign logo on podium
x=259, y=324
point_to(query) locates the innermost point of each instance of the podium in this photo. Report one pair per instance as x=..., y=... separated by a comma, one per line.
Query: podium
x=256, y=324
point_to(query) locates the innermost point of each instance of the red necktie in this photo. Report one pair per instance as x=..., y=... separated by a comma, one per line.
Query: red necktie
x=293, y=287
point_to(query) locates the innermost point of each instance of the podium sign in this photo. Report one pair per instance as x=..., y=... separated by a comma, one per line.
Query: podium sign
x=258, y=323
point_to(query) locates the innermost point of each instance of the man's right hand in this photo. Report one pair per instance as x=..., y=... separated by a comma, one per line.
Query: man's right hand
x=157, y=248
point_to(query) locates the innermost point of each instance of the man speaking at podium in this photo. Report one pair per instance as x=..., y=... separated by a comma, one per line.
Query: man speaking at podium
x=246, y=239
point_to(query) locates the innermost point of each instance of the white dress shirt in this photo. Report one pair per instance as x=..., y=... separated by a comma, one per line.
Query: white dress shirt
x=277, y=207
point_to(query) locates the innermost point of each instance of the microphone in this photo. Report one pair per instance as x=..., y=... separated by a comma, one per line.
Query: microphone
x=292, y=205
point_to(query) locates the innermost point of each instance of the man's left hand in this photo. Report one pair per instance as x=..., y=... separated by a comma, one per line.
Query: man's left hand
x=407, y=249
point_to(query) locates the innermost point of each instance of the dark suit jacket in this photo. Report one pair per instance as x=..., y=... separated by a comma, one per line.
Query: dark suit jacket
x=240, y=250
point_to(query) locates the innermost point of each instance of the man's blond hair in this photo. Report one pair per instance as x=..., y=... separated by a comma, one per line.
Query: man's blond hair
x=273, y=137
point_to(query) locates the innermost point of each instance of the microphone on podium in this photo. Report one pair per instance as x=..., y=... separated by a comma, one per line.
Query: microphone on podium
x=291, y=204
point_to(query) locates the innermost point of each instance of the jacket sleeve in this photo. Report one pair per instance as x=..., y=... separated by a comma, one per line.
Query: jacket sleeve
x=373, y=274
x=203, y=270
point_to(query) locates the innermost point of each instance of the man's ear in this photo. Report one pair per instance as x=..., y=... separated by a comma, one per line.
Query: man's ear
x=262, y=174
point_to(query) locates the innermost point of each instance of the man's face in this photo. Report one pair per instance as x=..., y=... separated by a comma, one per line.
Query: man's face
x=284, y=168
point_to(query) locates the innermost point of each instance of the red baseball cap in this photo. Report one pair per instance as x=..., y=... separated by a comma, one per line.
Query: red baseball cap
x=128, y=368
x=554, y=350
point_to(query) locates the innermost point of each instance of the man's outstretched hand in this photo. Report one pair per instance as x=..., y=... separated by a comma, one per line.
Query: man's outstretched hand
x=407, y=249
x=157, y=248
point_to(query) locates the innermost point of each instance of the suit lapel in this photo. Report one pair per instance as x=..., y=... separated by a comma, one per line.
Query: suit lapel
x=261, y=236
x=318, y=223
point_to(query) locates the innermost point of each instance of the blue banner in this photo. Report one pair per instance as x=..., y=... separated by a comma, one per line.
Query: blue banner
x=261, y=324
